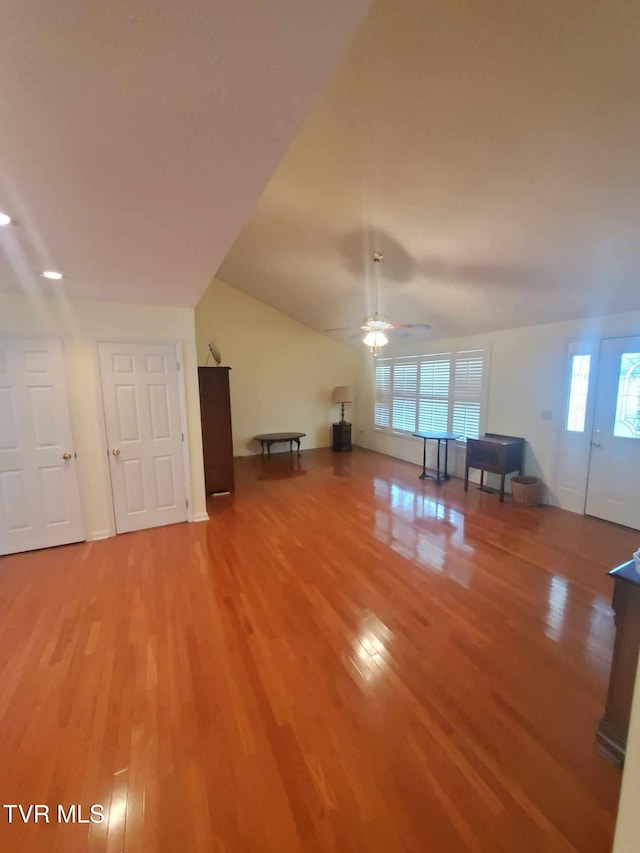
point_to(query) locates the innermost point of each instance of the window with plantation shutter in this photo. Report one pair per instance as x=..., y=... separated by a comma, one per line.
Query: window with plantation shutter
x=433, y=402
x=467, y=393
x=382, y=418
x=436, y=393
x=404, y=387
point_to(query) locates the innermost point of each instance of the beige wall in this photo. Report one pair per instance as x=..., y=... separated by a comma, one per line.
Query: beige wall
x=527, y=376
x=81, y=324
x=282, y=371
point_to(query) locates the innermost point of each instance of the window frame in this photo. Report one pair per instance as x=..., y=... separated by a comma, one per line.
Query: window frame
x=453, y=357
x=618, y=420
x=579, y=348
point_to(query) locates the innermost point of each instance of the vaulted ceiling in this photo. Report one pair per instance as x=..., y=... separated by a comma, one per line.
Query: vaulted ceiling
x=490, y=150
x=138, y=135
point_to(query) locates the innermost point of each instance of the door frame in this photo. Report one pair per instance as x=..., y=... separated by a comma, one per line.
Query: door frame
x=79, y=461
x=591, y=410
x=587, y=344
x=182, y=397
x=570, y=478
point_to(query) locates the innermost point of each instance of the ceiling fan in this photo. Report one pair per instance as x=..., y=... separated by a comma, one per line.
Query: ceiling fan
x=376, y=324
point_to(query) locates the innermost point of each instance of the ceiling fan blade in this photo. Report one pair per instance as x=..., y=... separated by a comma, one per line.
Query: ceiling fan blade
x=423, y=326
x=339, y=329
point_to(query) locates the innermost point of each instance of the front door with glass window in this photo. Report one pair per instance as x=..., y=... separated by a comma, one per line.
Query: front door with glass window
x=613, y=491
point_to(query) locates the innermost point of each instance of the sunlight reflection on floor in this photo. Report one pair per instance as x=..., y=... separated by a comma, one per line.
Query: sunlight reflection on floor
x=423, y=529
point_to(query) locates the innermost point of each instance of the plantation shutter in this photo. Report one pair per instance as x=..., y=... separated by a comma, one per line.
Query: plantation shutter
x=404, y=392
x=439, y=392
x=382, y=417
x=466, y=398
x=433, y=401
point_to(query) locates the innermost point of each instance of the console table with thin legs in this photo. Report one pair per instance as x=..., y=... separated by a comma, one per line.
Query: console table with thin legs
x=269, y=438
x=440, y=437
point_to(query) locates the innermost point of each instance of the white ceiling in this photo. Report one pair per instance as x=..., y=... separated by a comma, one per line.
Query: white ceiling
x=138, y=135
x=490, y=150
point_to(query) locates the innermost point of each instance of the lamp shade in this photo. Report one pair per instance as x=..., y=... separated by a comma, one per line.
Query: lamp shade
x=342, y=394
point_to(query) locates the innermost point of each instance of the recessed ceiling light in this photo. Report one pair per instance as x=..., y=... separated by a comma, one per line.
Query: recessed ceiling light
x=51, y=274
x=5, y=219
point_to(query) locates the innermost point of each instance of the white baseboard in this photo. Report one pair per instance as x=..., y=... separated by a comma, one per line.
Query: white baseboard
x=99, y=534
x=201, y=516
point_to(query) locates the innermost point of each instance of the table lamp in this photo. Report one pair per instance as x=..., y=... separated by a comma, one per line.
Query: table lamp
x=342, y=394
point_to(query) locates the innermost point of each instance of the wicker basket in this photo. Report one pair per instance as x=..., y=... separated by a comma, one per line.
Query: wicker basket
x=526, y=490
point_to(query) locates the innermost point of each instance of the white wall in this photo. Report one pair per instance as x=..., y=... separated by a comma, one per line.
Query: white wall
x=282, y=371
x=527, y=376
x=627, y=838
x=81, y=324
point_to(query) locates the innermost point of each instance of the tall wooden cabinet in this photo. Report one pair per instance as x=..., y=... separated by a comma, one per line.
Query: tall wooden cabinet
x=215, y=410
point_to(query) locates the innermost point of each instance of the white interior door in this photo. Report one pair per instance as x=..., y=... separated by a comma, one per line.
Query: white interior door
x=39, y=497
x=142, y=413
x=613, y=492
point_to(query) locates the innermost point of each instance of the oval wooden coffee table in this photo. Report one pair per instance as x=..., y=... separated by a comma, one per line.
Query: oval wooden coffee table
x=269, y=438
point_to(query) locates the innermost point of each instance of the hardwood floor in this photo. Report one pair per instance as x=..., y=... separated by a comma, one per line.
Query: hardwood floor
x=344, y=658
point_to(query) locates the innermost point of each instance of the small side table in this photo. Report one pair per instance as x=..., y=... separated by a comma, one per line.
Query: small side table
x=341, y=436
x=266, y=439
x=439, y=437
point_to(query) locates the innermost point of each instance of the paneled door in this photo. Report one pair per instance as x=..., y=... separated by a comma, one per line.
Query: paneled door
x=39, y=496
x=613, y=492
x=145, y=443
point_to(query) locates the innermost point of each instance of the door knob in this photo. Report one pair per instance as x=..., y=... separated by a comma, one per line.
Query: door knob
x=66, y=456
x=116, y=451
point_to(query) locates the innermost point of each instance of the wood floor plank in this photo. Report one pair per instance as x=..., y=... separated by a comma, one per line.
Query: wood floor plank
x=343, y=658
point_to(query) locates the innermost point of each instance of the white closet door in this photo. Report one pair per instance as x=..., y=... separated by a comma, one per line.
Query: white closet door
x=142, y=412
x=39, y=496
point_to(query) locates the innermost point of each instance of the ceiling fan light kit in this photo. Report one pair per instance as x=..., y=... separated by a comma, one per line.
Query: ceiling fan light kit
x=374, y=340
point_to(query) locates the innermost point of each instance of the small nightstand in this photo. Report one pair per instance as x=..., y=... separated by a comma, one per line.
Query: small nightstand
x=341, y=436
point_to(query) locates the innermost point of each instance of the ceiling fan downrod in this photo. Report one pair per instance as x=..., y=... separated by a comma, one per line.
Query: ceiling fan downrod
x=376, y=325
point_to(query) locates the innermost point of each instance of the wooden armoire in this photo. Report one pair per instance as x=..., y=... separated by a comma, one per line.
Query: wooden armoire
x=217, y=444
